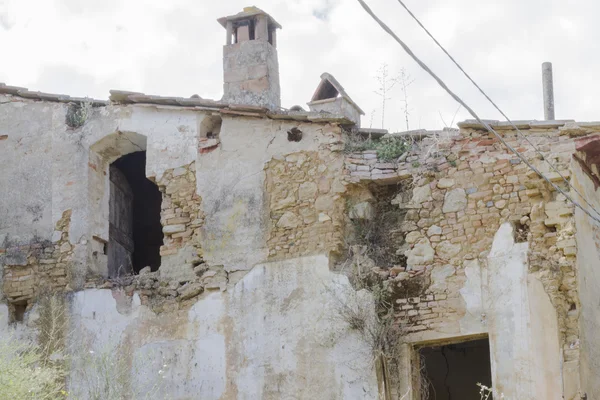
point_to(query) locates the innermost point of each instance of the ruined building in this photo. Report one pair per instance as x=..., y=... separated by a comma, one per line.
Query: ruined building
x=235, y=249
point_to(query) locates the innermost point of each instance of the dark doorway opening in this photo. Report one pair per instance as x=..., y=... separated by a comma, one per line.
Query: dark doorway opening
x=452, y=372
x=135, y=231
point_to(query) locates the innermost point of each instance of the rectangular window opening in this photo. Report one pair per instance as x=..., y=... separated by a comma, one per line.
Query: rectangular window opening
x=18, y=311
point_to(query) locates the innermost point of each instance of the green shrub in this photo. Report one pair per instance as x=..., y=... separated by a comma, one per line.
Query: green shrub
x=25, y=375
x=388, y=148
x=356, y=144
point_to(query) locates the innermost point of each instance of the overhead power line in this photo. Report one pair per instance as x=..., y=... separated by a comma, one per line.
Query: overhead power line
x=495, y=105
x=470, y=110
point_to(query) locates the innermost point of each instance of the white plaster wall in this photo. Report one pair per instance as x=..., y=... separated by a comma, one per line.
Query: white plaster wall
x=588, y=273
x=275, y=335
x=4, y=317
x=49, y=168
x=169, y=137
x=70, y=165
x=475, y=319
x=25, y=175
x=523, y=328
x=546, y=367
x=501, y=298
x=231, y=182
x=172, y=136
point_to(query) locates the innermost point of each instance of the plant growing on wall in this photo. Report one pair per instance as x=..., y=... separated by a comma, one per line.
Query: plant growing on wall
x=372, y=248
x=372, y=317
x=38, y=369
x=386, y=84
x=78, y=113
x=405, y=81
x=388, y=148
x=106, y=374
x=488, y=393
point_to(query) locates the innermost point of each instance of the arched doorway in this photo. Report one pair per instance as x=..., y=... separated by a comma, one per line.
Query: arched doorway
x=124, y=208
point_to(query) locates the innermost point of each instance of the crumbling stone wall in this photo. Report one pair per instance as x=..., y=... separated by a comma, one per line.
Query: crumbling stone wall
x=306, y=205
x=177, y=283
x=461, y=189
x=586, y=180
x=215, y=256
x=39, y=267
x=267, y=198
x=181, y=214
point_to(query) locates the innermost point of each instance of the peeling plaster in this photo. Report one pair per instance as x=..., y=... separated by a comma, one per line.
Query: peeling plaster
x=521, y=318
x=275, y=335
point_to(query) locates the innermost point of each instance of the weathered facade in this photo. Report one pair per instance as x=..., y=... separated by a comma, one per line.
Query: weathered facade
x=214, y=245
x=490, y=251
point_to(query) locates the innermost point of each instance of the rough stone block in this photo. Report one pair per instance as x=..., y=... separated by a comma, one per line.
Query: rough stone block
x=169, y=229
x=289, y=220
x=455, y=200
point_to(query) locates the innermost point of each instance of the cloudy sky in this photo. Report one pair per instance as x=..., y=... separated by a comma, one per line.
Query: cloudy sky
x=86, y=47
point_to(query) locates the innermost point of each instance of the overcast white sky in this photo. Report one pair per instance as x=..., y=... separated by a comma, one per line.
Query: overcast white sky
x=174, y=47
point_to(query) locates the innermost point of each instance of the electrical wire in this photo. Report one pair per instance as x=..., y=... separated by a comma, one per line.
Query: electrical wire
x=470, y=110
x=494, y=104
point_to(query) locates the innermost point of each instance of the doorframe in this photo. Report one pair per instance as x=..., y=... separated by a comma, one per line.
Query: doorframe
x=415, y=357
x=101, y=154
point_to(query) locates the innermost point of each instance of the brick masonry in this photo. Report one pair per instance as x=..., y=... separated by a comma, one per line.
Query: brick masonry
x=461, y=189
x=181, y=213
x=182, y=219
x=39, y=267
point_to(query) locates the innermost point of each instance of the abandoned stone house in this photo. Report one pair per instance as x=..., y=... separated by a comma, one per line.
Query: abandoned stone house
x=235, y=249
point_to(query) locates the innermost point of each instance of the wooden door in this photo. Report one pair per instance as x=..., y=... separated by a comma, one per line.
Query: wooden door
x=120, y=232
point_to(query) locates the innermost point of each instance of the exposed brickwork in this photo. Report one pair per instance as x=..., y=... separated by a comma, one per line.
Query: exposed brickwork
x=181, y=218
x=46, y=266
x=181, y=214
x=421, y=313
x=463, y=189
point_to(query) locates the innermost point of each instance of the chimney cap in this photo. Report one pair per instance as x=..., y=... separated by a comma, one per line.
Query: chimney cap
x=247, y=13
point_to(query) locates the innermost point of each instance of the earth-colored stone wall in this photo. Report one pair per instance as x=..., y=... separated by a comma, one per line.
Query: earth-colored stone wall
x=37, y=268
x=306, y=204
x=181, y=214
x=454, y=193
